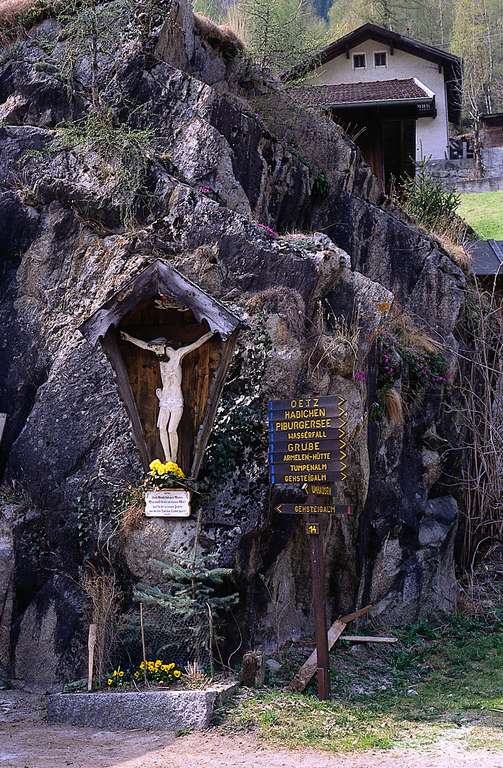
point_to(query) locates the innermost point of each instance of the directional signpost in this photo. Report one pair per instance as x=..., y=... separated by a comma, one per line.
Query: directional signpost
x=307, y=440
x=308, y=448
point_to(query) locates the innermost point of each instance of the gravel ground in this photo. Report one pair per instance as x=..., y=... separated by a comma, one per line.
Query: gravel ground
x=27, y=741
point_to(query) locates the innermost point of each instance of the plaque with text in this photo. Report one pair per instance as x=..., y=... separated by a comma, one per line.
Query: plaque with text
x=168, y=503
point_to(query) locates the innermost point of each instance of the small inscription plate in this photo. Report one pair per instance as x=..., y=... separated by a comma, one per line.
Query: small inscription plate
x=313, y=529
x=175, y=503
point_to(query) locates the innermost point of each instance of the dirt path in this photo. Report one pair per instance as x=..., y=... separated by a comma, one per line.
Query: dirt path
x=27, y=741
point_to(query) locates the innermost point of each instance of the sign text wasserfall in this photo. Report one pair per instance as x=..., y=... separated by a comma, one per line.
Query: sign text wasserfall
x=307, y=440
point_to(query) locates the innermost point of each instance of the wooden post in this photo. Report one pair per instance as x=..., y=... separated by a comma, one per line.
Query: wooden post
x=142, y=630
x=313, y=529
x=91, y=642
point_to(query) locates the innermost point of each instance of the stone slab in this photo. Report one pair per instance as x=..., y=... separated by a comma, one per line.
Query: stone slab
x=154, y=710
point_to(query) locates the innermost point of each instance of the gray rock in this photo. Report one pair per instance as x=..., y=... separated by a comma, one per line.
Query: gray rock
x=7, y=570
x=156, y=710
x=273, y=665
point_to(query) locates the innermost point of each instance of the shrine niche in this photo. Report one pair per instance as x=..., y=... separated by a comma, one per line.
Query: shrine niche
x=169, y=344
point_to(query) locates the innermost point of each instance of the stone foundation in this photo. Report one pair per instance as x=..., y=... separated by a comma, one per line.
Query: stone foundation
x=461, y=175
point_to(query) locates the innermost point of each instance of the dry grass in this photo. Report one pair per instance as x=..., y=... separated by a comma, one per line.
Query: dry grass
x=393, y=407
x=335, y=342
x=402, y=327
x=223, y=37
x=18, y=14
x=285, y=302
x=480, y=415
x=132, y=517
x=194, y=676
x=105, y=600
x=455, y=250
x=10, y=10
x=453, y=237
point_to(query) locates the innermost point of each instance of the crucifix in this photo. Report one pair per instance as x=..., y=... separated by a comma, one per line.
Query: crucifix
x=170, y=396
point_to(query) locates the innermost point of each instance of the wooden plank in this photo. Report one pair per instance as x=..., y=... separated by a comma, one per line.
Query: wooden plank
x=109, y=343
x=356, y=614
x=369, y=639
x=215, y=390
x=159, y=277
x=204, y=306
x=141, y=287
x=91, y=642
x=308, y=669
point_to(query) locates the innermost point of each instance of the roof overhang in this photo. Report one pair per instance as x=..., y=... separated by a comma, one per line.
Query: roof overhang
x=375, y=103
x=159, y=279
x=487, y=257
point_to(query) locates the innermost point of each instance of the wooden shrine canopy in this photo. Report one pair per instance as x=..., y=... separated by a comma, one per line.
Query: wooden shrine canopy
x=159, y=302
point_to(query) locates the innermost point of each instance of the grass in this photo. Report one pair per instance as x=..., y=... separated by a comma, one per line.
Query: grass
x=484, y=212
x=433, y=681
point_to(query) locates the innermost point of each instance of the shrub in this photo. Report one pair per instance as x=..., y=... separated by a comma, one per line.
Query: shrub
x=424, y=198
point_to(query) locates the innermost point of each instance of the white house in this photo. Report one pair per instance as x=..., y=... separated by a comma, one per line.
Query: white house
x=395, y=94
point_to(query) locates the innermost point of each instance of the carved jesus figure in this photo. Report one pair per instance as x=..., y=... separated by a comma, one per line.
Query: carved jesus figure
x=170, y=396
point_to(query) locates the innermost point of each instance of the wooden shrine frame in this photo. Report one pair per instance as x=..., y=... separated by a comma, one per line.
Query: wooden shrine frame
x=159, y=282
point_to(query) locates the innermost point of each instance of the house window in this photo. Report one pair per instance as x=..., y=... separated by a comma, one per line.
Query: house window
x=380, y=59
x=359, y=61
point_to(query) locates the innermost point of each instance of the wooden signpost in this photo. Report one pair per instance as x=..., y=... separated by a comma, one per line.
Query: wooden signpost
x=308, y=448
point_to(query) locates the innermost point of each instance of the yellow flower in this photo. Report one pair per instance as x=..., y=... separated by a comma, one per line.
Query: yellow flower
x=121, y=674
x=109, y=681
x=171, y=666
x=173, y=469
x=177, y=673
x=142, y=665
x=165, y=668
x=115, y=673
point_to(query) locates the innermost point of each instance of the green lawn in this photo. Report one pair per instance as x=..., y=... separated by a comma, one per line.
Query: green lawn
x=435, y=681
x=484, y=212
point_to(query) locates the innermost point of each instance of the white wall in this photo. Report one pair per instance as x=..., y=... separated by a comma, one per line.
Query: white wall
x=431, y=132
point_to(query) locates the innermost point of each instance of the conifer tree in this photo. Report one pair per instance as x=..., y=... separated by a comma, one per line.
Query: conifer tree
x=192, y=583
x=280, y=33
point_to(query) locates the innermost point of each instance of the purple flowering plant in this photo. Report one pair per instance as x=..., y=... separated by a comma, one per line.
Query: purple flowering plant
x=268, y=230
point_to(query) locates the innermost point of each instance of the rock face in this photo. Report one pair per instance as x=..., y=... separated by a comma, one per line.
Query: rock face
x=214, y=157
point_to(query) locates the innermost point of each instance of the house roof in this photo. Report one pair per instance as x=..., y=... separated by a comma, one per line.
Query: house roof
x=452, y=65
x=378, y=91
x=487, y=257
x=492, y=117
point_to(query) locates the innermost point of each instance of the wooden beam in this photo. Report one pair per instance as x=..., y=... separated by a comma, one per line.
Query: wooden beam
x=111, y=348
x=91, y=642
x=202, y=437
x=308, y=669
x=369, y=639
x=157, y=278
